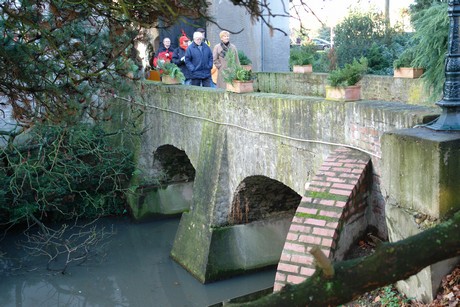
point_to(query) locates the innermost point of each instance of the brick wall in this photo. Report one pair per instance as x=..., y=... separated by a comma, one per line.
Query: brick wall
x=335, y=199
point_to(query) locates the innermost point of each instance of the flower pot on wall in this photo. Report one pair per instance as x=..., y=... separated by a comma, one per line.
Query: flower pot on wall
x=154, y=75
x=347, y=93
x=241, y=86
x=408, y=72
x=166, y=79
x=302, y=69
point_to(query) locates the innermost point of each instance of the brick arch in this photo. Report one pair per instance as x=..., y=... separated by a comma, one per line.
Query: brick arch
x=331, y=215
x=260, y=197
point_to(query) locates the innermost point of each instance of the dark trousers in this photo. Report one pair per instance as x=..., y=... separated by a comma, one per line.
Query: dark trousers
x=202, y=82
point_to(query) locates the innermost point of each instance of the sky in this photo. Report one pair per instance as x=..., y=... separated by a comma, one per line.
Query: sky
x=331, y=12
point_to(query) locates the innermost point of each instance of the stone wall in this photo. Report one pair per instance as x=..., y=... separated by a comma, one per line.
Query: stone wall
x=373, y=87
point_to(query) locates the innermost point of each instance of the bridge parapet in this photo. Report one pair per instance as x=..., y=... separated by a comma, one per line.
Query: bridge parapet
x=373, y=87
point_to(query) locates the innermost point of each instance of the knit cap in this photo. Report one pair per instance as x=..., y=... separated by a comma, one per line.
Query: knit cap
x=182, y=39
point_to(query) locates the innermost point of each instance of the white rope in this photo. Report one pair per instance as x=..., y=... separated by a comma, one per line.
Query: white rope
x=251, y=130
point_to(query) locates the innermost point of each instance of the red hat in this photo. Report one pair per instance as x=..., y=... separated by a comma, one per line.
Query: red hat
x=183, y=39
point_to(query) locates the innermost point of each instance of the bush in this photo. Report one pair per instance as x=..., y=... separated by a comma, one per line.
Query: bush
x=431, y=45
x=171, y=69
x=349, y=75
x=379, y=60
x=301, y=55
x=355, y=34
x=244, y=60
x=322, y=61
x=61, y=172
x=234, y=71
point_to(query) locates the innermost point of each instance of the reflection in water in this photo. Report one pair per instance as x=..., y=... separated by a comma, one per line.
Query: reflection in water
x=137, y=271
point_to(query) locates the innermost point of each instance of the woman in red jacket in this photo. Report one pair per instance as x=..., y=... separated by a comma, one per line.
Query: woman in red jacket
x=164, y=52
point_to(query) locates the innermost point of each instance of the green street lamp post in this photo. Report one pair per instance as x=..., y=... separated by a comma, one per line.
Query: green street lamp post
x=450, y=103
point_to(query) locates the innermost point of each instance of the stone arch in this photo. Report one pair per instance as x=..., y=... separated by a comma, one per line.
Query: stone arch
x=171, y=191
x=171, y=165
x=259, y=197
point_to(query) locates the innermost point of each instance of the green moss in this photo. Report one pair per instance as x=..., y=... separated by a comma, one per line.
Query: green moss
x=315, y=216
x=326, y=195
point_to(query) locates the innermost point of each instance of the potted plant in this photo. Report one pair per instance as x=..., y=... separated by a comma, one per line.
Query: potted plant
x=301, y=58
x=403, y=67
x=343, y=81
x=170, y=73
x=238, y=79
x=244, y=60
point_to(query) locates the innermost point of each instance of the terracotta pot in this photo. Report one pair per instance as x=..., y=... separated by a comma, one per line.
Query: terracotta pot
x=347, y=93
x=408, y=72
x=241, y=86
x=302, y=69
x=154, y=75
x=166, y=79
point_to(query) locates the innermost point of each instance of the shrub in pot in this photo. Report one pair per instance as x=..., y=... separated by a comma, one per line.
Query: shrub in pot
x=343, y=81
x=244, y=60
x=404, y=68
x=238, y=79
x=301, y=58
x=170, y=73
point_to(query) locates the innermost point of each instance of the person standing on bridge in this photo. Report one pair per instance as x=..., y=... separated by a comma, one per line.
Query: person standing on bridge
x=198, y=58
x=164, y=53
x=219, y=52
x=179, y=58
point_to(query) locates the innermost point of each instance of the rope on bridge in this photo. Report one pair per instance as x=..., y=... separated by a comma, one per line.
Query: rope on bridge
x=249, y=130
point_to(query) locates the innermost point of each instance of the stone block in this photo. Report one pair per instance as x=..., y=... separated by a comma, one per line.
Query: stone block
x=162, y=201
x=421, y=170
x=424, y=285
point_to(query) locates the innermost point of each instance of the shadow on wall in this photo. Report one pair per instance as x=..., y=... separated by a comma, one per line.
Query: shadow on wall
x=259, y=197
x=171, y=192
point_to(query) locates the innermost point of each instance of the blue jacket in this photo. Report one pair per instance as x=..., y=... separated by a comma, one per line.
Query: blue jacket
x=176, y=59
x=199, y=62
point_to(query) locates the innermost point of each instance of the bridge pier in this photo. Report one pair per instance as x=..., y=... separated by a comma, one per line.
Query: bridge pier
x=208, y=243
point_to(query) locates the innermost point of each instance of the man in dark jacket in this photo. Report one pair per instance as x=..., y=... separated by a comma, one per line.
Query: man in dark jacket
x=179, y=58
x=198, y=58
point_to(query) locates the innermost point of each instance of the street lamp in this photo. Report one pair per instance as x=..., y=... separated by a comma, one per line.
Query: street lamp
x=450, y=103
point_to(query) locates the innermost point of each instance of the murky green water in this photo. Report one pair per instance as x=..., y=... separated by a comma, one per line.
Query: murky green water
x=136, y=271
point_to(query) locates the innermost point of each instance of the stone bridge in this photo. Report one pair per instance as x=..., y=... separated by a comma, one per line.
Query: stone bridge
x=272, y=174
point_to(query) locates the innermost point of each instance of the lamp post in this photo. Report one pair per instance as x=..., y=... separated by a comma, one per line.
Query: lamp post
x=450, y=103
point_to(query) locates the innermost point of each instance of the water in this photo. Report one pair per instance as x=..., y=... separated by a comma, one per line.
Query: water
x=136, y=271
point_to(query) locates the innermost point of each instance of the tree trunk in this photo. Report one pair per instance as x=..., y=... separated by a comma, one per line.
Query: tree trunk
x=390, y=262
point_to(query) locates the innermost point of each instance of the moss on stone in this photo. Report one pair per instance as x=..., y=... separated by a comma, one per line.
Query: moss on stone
x=326, y=195
x=315, y=216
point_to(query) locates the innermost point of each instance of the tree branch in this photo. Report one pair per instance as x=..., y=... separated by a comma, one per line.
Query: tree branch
x=390, y=262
